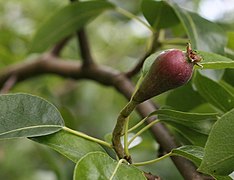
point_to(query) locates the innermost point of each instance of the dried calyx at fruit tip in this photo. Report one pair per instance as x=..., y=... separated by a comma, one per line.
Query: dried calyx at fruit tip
x=171, y=69
x=192, y=56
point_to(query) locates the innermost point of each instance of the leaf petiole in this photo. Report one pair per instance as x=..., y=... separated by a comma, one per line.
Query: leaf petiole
x=137, y=125
x=153, y=161
x=126, y=138
x=142, y=130
x=77, y=133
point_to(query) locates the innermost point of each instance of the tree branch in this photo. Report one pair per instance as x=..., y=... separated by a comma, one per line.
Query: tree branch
x=106, y=76
x=85, y=48
x=153, y=47
x=56, y=50
x=8, y=84
x=149, y=176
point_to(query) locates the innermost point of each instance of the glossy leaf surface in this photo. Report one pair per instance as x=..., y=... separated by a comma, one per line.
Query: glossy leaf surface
x=24, y=115
x=71, y=146
x=97, y=165
x=194, y=127
x=215, y=61
x=196, y=27
x=193, y=153
x=190, y=100
x=198, y=121
x=219, y=154
x=159, y=14
x=214, y=93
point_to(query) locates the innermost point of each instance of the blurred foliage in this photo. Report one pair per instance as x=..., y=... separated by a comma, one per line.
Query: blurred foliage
x=116, y=41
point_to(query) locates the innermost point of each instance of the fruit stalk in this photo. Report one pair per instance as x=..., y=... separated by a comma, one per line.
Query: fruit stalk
x=171, y=69
x=118, y=130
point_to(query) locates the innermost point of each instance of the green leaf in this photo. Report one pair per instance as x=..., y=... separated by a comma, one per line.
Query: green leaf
x=214, y=93
x=159, y=14
x=190, y=100
x=203, y=34
x=219, y=150
x=148, y=62
x=227, y=86
x=230, y=43
x=69, y=145
x=201, y=122
x=215, y=61
x=193, y=153
x=194, y=127
x=229, y=52
x=188, y=135
x=66, y=21
x=24, y=115
x=222, y=177
x=97, y=165
x=228, y=76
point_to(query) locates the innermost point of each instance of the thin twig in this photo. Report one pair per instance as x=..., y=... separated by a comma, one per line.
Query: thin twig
x=56, y=50
x=149, y=176
x=85, y=48
x=153, y=47
x=8, y=84
x=138, y=66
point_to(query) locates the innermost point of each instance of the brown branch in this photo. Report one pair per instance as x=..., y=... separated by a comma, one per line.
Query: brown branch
x=8, y=84
x=153, y=47
x=56, y=50
x=85, y=48
x=53, y=65
x=106, y=76
x=149, y=176
x=138, y=66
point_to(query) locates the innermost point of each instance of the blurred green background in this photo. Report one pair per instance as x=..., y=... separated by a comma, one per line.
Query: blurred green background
x=86, y=106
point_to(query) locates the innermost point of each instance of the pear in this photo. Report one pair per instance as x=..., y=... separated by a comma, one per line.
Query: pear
x=171, y=69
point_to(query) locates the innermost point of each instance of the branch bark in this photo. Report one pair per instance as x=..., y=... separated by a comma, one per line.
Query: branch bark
x=56, y=50
x=155, y=44
x=107, y=76
x=85, y=48
x=8, y=84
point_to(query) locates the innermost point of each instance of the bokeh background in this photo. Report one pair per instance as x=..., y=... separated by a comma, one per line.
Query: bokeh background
x=85, y=105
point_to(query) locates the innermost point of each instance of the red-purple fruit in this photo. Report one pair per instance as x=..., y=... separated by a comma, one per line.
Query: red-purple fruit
x=171, y=69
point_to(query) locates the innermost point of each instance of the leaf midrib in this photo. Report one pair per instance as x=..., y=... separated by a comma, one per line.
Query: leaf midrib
x=30, y=127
